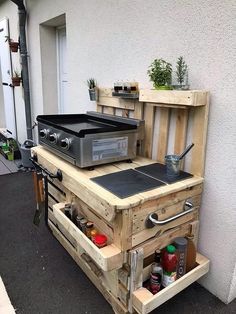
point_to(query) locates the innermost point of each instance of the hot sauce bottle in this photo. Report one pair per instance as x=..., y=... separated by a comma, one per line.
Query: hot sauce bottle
x=169, y=263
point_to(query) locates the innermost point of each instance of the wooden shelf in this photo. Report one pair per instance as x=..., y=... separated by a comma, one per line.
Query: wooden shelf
x=144, y=301
x=107, y=258
x=193, y=98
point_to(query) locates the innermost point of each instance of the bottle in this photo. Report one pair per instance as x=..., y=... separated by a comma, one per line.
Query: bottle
x=100, y=240
x=127, y=87
x=181, y=247
x=191, y=252
x=169, y=264
x=156, y=274
x=89, y=228
x=94, y=232
x=83, y=223
x=67, y=210
x=79, y=217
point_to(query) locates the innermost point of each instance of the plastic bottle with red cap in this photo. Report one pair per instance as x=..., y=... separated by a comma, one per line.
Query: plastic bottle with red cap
x=100, y=240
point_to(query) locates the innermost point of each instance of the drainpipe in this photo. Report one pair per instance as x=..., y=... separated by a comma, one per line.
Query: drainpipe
x=24, y=64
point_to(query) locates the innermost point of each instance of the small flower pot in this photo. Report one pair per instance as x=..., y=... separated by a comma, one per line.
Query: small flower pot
x=93, y=94
x=14, y=46
x=16, y=81
x=163, y=87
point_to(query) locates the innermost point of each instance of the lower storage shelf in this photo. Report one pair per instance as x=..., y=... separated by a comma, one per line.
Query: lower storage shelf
x=144, y=301
x=107, y=258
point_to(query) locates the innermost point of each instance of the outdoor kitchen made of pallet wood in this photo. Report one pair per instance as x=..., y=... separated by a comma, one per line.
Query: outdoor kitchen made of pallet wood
x=119, y=269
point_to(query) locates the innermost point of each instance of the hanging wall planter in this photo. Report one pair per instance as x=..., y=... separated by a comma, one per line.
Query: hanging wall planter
x=16, y=81
x=13, y=45
x=93, y=90
x=16, y=78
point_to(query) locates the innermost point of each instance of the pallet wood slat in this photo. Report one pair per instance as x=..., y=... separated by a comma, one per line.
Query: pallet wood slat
x=163, y=134
x=181, y=131
x=149, y=126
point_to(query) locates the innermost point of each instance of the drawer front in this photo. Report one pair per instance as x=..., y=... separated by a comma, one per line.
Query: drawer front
x=170, y=211
x=144, y=301
x=107, y=258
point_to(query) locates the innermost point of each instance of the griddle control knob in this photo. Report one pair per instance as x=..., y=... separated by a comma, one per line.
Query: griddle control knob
x=53, y=138
x=65, y=143
x=43, y=133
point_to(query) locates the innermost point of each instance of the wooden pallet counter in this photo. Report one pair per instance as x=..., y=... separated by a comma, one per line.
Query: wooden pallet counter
x=120, y=269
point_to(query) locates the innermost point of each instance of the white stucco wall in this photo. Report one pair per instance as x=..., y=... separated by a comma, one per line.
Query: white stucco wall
x=9, y=10
x=112, y=40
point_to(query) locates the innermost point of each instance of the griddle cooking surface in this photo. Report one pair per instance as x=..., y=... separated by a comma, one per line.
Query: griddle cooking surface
x=127, y=182
x=158, y=171
x=82, y=124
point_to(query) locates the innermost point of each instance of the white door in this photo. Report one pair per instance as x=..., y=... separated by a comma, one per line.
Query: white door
x=62, y=71
x=6, y=73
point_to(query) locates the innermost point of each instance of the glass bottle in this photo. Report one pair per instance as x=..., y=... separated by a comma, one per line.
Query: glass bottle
x=156, y=273
x=191, y=253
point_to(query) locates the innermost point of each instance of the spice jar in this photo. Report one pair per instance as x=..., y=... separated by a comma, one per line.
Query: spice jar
x=94, y=232
x=83, y=223
x=68, y=211
x=89, y=228
x=100, y=240
x=78, y=219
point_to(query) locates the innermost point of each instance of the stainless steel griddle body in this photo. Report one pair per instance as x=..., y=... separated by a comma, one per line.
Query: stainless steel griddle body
x=90, y=139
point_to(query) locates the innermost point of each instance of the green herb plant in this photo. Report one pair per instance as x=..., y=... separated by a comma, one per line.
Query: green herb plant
x=91, y=83
x=160, y=73
x=181, y=70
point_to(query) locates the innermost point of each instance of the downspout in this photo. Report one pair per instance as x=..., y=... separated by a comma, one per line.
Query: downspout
x=24, y=64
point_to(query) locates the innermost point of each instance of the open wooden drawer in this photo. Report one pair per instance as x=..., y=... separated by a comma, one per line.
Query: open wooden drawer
x=144, y=301
x=107, y=258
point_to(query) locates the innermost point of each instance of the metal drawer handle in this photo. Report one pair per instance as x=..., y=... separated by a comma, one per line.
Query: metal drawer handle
x=152, y=219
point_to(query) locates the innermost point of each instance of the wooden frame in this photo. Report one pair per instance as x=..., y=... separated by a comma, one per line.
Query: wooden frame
x=172, y=118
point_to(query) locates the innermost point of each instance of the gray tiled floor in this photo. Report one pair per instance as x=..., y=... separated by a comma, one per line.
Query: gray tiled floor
x=7, y=166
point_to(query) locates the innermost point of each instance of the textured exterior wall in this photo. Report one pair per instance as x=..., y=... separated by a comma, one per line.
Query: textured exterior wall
x=9, y=9
x=112, y=40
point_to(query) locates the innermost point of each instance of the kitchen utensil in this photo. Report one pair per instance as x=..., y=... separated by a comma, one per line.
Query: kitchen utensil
x=173, y=162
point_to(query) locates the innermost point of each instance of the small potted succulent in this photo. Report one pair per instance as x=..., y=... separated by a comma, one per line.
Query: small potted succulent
x=16, y=78
x=160, y=73
x=93, y=90
x=181, y=74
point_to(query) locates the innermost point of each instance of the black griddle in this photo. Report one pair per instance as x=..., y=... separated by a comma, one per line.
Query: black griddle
x=127, y=182
x=82, y=124
x=132, y=181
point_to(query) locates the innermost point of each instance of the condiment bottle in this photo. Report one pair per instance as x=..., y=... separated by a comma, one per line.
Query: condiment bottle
x=191, y=253
x=83, y=223
x=181, y=247
x=68, y=211
x=100, y=240
x=79, y=217
x=89, y=227
x=169, y=264
x=156, y=273
x=94, y=232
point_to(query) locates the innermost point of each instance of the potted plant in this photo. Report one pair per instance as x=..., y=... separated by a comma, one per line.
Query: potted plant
x=16, y=78
x=93, y=90
x=181, y=74
x=12, y=44
x=160, y=73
